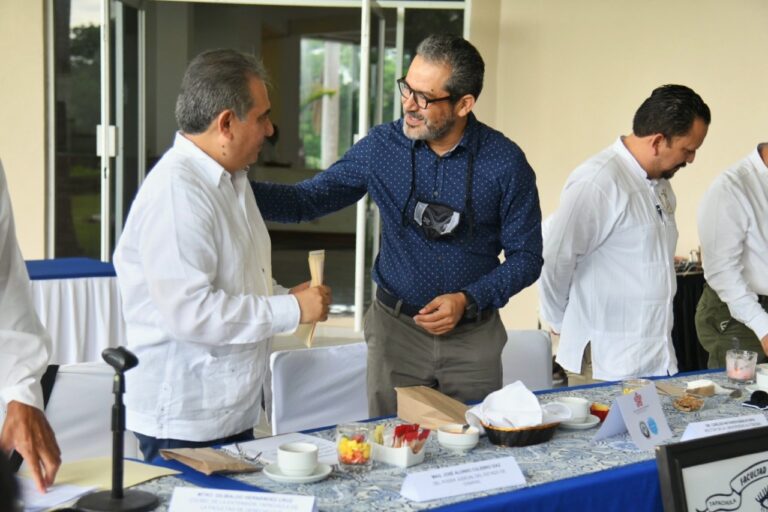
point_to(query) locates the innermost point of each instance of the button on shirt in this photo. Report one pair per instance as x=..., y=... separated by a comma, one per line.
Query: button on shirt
x=194, y=270
x=504, y=208
x=733, y=228
x=608, y=275
x=24, y=344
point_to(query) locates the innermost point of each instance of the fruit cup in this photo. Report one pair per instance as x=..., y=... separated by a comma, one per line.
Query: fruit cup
x=353, y=445
x=599, y=410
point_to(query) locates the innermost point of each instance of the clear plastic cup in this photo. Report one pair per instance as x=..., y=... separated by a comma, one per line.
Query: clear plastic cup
x=353, y=445
x=631, y=385
x=740, y=366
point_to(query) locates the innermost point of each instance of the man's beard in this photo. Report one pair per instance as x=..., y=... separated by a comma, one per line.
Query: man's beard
x=428, y=131
x=668, y=175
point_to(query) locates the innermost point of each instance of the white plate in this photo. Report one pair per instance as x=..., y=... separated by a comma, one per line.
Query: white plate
x=754, y=387
x=321, y=471
x=592, y=420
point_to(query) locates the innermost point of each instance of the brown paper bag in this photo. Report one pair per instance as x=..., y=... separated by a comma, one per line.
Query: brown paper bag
x=208, y=461
x=428, y=407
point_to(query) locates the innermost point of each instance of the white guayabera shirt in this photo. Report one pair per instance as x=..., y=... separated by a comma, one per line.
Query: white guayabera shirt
x=608, y=277
x=195, y=276
x=733, y=228
x=24, y=344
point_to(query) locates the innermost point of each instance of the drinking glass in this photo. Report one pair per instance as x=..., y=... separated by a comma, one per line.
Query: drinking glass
x=740, y=366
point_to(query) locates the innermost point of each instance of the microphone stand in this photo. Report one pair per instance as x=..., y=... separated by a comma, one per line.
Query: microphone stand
x=118, y=500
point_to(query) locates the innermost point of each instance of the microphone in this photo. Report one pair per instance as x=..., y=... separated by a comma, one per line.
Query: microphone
x=122, y=360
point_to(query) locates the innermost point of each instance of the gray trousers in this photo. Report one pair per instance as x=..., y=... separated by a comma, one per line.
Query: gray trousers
x=464, y=364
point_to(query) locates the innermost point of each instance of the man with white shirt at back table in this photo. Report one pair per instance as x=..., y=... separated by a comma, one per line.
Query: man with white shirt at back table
x=194, y=269
x=24, y=351
x=733, y=229
x=608, y=279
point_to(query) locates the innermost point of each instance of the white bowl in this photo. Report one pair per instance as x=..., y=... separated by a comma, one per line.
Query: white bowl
x=452, y=437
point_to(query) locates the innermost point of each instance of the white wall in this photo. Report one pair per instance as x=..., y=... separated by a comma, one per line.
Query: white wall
x=570, y=75
x=22, y=132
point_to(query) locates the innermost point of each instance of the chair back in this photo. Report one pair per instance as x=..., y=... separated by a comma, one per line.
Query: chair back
x=317, y=387
x=527, y=356
x=80, y=412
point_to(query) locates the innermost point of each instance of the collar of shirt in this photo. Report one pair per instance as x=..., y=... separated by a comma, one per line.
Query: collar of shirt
x=630, y=161
x=212, y=170
x=757, y=161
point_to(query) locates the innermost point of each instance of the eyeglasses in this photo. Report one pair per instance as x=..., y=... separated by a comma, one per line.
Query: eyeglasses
x=421, y=100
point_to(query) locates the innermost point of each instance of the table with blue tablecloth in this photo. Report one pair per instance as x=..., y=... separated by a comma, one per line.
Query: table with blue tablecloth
x=78, y=301
x=567, y=473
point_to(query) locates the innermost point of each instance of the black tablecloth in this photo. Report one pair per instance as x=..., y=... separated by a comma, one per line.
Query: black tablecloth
x=690, y=354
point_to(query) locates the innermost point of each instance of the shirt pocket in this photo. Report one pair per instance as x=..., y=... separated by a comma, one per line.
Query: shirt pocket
x=232, y=379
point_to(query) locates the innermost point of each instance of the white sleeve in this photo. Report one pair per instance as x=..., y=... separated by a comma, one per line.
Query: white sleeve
x=723, y=224
x=578, y=226
x=24, y=344
x=179, y=260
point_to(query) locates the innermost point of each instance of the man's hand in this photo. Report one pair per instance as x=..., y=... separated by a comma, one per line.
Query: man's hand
x=442, y=314
x=27, y=431
x=313, y=302
x=764, y=343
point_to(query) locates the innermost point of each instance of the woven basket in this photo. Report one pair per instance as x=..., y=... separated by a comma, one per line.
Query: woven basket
x=506, y=436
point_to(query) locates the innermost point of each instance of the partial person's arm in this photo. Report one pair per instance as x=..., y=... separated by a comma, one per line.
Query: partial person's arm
x=24, y=350
x=723, y=223
x=521, y=241
x=579, y=225
x=337, y=187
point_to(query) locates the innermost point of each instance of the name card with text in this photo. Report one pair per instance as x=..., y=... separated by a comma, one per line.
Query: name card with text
x=194, y=499
x=640, y=414
x=714, y=427
x=462, y=479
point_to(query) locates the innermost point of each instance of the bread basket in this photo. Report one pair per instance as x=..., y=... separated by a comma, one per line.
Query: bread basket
x=523, y=436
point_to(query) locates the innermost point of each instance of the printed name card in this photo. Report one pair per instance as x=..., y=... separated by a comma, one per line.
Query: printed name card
x=714, y=427
x=462, y=479
x=640, y=414
x=195, y=499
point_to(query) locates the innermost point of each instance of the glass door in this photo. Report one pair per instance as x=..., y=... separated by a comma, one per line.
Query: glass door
x=97, y=81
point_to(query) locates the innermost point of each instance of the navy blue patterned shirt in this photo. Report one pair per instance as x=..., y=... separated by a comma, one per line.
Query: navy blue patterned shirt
x=505, y=213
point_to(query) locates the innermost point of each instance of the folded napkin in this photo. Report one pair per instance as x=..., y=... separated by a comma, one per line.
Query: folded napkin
x=515, y=406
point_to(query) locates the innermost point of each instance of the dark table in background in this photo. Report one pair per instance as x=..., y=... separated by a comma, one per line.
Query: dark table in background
x=690, y=354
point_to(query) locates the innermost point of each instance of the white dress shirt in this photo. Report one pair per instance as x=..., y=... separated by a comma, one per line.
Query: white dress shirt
x=194, y=270
x=24, y=343
x=733, y=228
x=608, y=275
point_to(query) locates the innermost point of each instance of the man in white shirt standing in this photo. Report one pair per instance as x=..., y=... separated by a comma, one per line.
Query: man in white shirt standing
x=733, y=228
x=608, y=279
x=195, y=273
x=24, y=351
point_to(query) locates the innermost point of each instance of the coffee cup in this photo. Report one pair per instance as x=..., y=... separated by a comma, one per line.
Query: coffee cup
x=297, y=459
x=579, y=408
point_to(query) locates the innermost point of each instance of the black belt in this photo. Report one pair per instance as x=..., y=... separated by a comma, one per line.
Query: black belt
x=392, y=302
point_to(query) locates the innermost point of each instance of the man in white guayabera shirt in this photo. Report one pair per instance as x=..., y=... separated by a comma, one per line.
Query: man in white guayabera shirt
x=194, y=269
x=733, y=229
x=24, y=351
x=608, y=280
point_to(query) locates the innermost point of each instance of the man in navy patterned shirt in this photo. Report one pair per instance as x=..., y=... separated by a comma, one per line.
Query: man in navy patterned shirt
x=453, y=193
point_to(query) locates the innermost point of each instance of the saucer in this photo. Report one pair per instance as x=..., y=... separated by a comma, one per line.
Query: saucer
x=592, y=420
x=321, y=471
x=754, y=387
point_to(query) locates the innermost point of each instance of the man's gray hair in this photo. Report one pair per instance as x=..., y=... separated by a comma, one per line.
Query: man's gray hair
x=467, y=66
x=216, y=80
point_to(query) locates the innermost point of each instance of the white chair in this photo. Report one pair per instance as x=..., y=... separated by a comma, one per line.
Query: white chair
x=316, y=387
x=80, y=412
x=527, y=356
